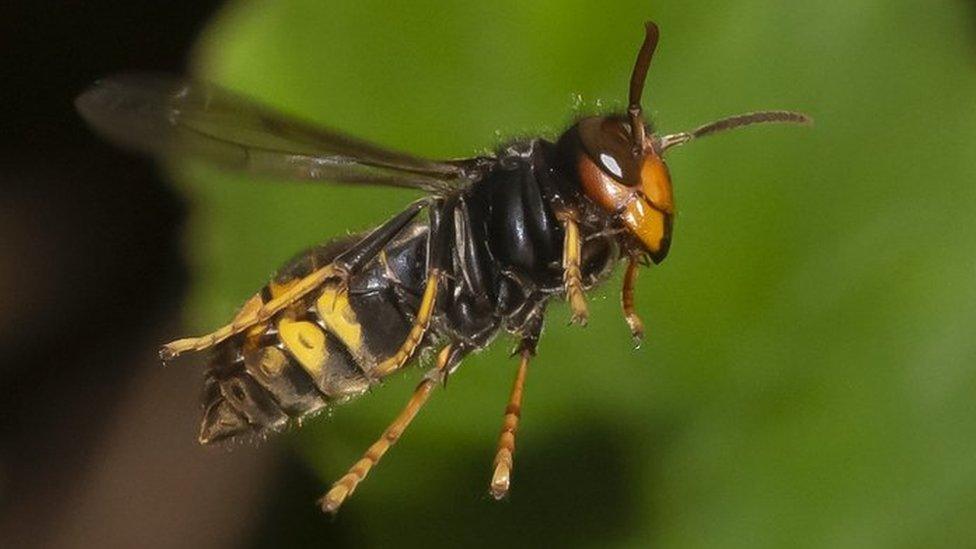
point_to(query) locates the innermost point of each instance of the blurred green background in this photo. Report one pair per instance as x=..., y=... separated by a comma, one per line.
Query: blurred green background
x=808, y=373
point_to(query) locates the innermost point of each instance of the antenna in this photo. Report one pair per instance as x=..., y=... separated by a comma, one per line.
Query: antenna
x=637, y=79
x=732, y=122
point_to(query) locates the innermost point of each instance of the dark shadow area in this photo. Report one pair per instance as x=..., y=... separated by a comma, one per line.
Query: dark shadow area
x=572, y=488
x=291, y=517
x=90, y=262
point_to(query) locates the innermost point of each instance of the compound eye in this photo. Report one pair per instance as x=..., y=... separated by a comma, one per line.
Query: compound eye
x=601, y=187
x=611, y=165
x=607, y=142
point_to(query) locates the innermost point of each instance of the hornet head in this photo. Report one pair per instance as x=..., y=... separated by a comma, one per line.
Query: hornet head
x=620, y=167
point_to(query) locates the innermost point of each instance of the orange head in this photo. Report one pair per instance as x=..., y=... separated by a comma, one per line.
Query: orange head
x=619, y=167
x=619, y=170
x=634, y=187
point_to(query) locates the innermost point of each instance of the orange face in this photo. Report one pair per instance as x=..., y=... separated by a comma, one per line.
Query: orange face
x=636, y=188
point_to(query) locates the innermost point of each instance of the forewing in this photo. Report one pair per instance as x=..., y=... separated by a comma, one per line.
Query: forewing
x=166, y=115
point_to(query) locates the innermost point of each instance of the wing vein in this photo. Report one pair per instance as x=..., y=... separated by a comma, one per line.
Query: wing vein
x=167, y=116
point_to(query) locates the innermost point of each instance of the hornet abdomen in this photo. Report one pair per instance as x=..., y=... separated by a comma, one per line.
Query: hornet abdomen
x=320, y=351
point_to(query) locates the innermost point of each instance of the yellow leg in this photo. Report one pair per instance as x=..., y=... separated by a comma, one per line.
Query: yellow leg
x=345, y=486
x=572, y=277
x=417, y=332
x=502, y=477
x=244, y=321
x=627, y=300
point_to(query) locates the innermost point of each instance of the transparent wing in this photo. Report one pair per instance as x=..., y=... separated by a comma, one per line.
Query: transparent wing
x=166, y=115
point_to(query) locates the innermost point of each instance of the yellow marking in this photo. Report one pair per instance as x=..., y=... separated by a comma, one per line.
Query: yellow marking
x=338, y=316
x=572, y=277
x=252, y=306
x=288, y=297
x=345, y=486
x=417, y=331
x=272, y=362
x=306, y=342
